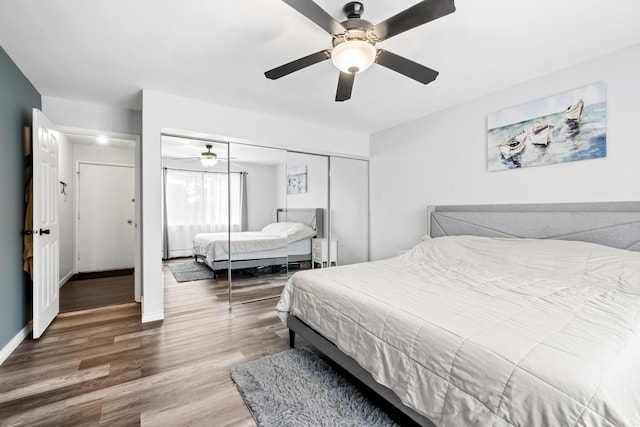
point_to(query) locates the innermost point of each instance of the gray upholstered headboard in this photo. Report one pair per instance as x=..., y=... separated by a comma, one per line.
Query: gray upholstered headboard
x=314, y=217
x=615, y=224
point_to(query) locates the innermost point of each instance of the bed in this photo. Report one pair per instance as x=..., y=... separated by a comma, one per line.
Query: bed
x=286, y=241
x=503, y=315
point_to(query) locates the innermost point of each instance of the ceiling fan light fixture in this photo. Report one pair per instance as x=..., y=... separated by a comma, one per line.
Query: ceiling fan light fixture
x=208, y=159
x=353, y=56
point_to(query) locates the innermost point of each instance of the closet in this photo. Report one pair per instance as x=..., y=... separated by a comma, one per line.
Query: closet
x=281, y=212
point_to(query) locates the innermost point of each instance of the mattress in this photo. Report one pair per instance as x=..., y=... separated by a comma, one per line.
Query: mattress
x=301, y=247
x=489, y=332
x=216, y=246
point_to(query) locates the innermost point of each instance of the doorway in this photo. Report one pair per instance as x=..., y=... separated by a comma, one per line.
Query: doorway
x=52, y=202
x=98, y=213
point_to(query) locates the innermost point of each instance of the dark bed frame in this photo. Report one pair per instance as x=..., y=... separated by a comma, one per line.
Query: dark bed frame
x=615, y=224
x=326, y=347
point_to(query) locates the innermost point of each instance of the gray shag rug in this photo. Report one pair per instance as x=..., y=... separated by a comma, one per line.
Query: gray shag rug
x=190, y=271
x=297, y=388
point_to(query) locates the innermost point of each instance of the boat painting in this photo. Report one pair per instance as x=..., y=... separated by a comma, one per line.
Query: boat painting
x=562, y=128
x=515, y=145
x=541, y=134
x=574, y=111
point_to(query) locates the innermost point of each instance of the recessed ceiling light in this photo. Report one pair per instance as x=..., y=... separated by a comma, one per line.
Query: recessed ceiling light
x=102, y=140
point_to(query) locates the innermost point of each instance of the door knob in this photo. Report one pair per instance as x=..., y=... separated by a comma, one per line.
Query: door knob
x=47, y=231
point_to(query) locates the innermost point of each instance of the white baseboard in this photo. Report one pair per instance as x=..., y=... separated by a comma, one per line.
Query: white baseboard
x=66, y=278
x=14, y=343
x=152, y=317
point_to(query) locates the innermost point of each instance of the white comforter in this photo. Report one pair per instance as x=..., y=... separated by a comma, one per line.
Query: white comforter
x=215, y=246
x=489, y=332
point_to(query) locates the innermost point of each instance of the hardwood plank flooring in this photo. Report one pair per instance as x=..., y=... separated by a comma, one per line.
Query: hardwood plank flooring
x=96, y=292
x=103, y=367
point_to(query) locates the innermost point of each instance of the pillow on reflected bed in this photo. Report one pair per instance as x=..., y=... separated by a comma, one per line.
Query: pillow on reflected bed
x=294, y=230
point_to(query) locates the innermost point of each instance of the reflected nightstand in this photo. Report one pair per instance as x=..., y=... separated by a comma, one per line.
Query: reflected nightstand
x=320, y=253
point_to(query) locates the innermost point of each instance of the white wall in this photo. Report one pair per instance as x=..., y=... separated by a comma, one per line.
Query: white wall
x=442, y=159
x=66, y=112
x=262, y=200
x=102, y=154
x=162, y=112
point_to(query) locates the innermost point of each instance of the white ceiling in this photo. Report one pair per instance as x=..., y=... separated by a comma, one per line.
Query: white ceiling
x=106, y=52
x=180, y=148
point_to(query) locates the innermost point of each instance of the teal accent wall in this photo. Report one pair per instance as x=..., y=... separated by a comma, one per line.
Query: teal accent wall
x=17, y=99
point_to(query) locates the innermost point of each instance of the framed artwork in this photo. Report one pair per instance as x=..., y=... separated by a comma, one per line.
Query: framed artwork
x=297, y=180
x=561, y=128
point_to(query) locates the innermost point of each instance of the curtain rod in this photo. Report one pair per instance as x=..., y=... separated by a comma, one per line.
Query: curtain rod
x=191, y=170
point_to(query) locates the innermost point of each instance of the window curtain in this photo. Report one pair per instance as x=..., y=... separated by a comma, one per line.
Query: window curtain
x=199, y=202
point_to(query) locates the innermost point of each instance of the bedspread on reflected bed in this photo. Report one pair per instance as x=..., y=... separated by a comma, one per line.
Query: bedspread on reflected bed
x=216, y=245
x=481, y=331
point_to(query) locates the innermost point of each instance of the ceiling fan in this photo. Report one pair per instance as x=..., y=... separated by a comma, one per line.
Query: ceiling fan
x=207, y=158
x=354, y=41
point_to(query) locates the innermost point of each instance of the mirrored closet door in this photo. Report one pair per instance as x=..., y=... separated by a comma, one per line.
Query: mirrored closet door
x=196, y=204
x=259, y=246
x=350, y=209
x=307, y=215
x=247, y=217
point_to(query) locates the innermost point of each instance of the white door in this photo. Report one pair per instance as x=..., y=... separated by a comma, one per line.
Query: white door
x=106, y=217
x=46, y=298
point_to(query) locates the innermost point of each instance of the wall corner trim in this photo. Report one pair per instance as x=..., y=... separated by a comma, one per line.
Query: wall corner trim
x=152, y=317
x=14, y=343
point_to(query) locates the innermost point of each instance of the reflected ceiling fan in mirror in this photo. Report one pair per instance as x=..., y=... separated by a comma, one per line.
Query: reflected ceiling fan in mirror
x=354, y=41
x=207, y=158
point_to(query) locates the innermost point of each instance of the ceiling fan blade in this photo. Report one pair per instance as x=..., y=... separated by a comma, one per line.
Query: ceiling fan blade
x=406, y=66
x=345, y=85
x=220, y=159
x=421, y=13
x=298, y=64
x=317, y=15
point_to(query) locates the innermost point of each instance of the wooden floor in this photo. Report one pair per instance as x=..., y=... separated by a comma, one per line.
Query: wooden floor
x=96, y=292
x=103, y=367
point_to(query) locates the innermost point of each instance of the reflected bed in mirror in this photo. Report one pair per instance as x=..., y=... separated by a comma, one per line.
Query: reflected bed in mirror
x=261, y=259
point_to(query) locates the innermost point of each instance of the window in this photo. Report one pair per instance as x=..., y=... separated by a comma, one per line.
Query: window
x=200, y=198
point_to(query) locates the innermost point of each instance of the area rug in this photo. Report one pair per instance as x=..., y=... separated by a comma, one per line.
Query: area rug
x=190, y=271
x=297, y=388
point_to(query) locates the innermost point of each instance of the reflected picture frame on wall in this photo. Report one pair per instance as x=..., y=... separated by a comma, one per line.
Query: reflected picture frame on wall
x=566, y=127
x=297, y=180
